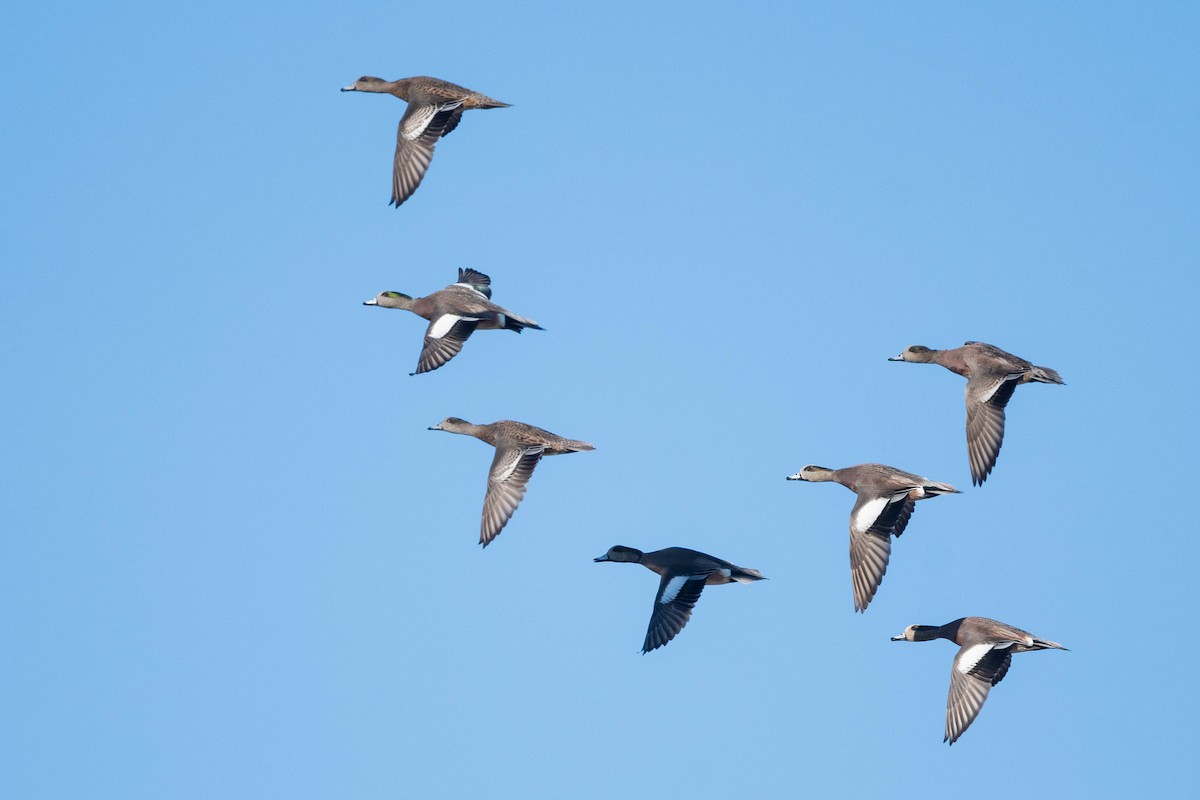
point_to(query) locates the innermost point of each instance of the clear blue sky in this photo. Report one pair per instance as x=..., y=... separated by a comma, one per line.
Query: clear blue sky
x=234, y=563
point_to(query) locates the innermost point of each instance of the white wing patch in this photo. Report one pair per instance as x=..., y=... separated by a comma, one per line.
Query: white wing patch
x=444, y=323
x=417, y=118
x=1012, y=376
x=869, y=512
x=671, y=590
x=974, y=654
x=415, y=123
x=511, y=466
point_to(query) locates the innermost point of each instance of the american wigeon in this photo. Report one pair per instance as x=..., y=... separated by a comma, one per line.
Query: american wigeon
x=434, y=109
x=886, y=499
x=985, y=652
x=992, y=376
x=519, y=448
x=454, y=313
x=684, y=573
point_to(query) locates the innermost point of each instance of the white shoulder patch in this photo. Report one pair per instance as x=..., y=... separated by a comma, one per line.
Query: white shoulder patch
x=671, y=590
x=511, y=465
x=973, y=655
x=1012, y=376
x=414, y=125
x=868, y=513
x=442, y=325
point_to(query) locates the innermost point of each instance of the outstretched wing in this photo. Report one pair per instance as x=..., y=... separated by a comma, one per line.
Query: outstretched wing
x=511, y=469
x=476, y=280
x=986, y=399
x=444, y=339
x=869, y=554
x=977, y=668
x=873, y=522
x=677, y=595
x=420, y=128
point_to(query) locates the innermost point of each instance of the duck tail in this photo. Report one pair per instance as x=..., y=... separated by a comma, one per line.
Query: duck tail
x=514, y=323
x=745, y=575
x=935, y=489
x=576, y=446
x=1045, y=644
x=477, y=100
x=1045, y=375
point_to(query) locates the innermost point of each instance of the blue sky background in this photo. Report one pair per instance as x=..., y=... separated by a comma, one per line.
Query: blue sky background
x=236, y=564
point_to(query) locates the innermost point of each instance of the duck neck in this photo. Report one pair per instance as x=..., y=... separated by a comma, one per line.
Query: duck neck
x=395, y=300
x=815, y=474
x=947, y=631
x=398, y=88
x=952, y=360
x=471, y=429
x=927, y=633
x=468, y=429
x=929, y=357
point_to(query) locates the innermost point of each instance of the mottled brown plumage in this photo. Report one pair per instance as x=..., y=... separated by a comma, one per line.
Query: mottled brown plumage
x=434, y=109
x=519, y=448
x=992, y=375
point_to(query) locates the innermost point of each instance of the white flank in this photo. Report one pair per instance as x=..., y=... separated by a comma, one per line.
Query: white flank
x=869, y=512
x=443, y=325
x=671, y=590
